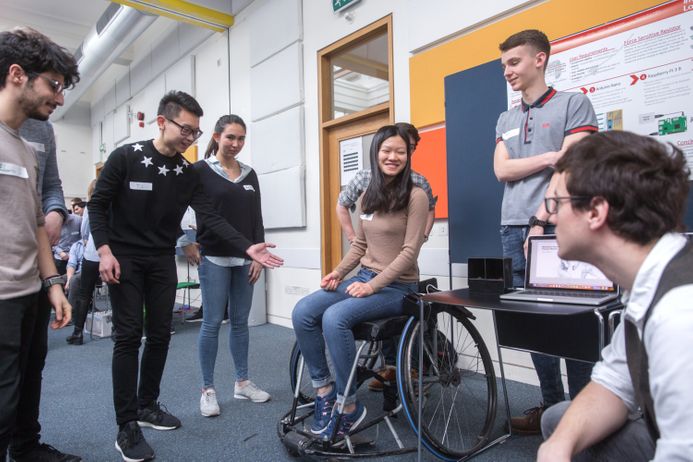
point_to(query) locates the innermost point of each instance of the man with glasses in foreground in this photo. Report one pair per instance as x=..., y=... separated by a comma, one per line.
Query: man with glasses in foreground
x=28, y=62
x=530, y=138
x=619, y=203
x=135, y=214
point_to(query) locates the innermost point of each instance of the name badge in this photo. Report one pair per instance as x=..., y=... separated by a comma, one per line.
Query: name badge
x=367, y=216
x=140, y=186
x=248, y=187
x=510, y=134
x=38, y=147
x=13, y=170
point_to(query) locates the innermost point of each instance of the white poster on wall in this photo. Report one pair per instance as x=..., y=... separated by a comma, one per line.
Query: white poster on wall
x=350, y=158
x=637, y=71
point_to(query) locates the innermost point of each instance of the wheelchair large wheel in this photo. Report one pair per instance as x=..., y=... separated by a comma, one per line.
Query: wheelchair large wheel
x=306, y=392
x=459, y=384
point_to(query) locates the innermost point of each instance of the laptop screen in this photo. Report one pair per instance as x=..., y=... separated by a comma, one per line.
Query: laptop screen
x=546, y=270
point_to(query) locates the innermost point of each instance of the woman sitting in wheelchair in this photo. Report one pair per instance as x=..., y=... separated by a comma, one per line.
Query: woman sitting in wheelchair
x=387, y=244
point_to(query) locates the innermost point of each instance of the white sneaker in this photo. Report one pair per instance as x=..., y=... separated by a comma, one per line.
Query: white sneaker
x=208, y=403
x=251, y=392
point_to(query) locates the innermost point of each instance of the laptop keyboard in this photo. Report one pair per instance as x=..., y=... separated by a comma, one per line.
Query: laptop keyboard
x=563, y=293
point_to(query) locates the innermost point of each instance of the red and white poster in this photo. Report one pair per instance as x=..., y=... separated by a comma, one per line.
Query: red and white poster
x=637, y=71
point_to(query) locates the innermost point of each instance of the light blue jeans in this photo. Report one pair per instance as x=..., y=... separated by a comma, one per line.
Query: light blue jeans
x=224, y=288
x=329, y=316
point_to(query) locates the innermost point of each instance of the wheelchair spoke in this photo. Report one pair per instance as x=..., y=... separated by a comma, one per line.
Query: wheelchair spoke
x=459, y=403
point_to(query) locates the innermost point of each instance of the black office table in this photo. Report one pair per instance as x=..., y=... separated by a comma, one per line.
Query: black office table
x=569, y=331
x=557, y=329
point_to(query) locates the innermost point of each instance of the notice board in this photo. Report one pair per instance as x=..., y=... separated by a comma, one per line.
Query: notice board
x=638, y=73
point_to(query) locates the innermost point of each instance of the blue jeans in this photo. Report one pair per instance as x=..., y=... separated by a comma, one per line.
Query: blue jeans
x=334, y=314
x=548, y=367
x=224, y=287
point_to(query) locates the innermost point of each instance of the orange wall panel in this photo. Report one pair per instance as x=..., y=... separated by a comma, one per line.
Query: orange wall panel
x=430, y=161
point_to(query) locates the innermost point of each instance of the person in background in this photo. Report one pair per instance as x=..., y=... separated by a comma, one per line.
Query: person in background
x=73, y=272
x=83, y=292
x=69, y=234
x=619, y=204
x=226, y=275
x=346, y=202
x=530, y=138
x=33, y=73
x=387, y=244
x=135, y=214
x=77, y=205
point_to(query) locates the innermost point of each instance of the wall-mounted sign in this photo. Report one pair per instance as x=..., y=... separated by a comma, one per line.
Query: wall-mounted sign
x=338, y=5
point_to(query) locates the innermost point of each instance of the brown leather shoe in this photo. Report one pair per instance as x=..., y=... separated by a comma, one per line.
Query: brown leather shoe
x=529, y=423
x=388, y=373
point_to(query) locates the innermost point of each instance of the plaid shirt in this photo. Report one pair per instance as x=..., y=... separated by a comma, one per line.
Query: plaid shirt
x=351, y=193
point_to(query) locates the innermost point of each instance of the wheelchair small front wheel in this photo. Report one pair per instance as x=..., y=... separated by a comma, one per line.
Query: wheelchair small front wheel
x=459, y=384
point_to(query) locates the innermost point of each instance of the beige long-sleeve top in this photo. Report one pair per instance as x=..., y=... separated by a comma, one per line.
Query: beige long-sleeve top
x=389, y=243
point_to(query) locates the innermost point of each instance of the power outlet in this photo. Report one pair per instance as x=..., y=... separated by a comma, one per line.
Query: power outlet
x=296, y=290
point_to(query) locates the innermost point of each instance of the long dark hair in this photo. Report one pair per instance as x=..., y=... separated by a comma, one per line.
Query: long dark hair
x=219, y=128
x=382, y=197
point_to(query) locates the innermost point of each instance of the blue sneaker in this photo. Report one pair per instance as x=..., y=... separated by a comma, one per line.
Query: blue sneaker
x=323, y=411
x=347, y=424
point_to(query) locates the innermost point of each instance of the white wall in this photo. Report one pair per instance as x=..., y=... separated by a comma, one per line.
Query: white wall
x=73, y=150
x=284, y=36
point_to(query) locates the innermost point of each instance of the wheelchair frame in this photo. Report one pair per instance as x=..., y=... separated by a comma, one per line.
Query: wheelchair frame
x=441, y=376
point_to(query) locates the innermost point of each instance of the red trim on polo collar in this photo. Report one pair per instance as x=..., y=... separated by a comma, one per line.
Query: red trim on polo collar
x=543, y=99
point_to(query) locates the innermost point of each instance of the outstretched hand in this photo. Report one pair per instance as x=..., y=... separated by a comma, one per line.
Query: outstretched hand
x=260, y=254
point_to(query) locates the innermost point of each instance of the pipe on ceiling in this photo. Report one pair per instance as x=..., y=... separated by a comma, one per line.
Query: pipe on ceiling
x=115, y=31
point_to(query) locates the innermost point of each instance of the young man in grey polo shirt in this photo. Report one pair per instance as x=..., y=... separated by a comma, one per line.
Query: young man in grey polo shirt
x=33, y=73
x=530, y=139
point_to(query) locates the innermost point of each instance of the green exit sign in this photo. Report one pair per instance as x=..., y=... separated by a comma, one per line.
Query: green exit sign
x=338, y=5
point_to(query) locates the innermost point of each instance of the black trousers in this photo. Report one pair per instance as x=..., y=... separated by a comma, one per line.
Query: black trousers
x=143, y=298
x=85, y=292
x=61, y=266
x=20, y=366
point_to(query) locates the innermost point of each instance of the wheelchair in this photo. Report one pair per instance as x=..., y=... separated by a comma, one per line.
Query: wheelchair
x=455, y=382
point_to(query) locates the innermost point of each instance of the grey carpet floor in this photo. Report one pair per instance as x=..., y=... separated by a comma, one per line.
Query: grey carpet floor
x=77, y=412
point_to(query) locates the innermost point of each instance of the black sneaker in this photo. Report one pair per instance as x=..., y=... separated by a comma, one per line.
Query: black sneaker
x=195, y=317
x=157, y=417
x=45, y=453
x=131, y=444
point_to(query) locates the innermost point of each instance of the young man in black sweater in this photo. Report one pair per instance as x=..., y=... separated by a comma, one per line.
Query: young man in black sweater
x=135, y=212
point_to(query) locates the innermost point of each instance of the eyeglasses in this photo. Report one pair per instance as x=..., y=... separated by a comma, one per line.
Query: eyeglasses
x=57, y=87
x=187, y=131
x=551, y=203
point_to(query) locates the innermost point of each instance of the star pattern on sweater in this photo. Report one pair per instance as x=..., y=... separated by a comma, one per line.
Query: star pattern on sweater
x=137, y=147
x=147, y=161
x=178, y=170
x=163, y=170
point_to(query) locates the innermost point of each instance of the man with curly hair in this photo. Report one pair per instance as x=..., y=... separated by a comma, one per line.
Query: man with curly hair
x=34, y=71
x=619, y=203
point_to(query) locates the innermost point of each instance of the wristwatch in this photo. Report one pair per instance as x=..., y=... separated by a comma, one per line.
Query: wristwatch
x=534, y=221
x=53, y=280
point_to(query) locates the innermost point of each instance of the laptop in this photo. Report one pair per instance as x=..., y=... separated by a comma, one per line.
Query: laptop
x=550, y=279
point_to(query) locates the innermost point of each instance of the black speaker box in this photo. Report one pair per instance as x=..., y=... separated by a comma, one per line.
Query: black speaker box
x=489, y=275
